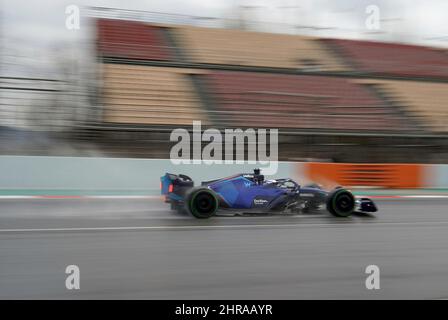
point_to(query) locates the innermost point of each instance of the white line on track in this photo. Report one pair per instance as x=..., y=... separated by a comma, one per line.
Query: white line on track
x=423, y=196
x=18, y=197
x=241, y=226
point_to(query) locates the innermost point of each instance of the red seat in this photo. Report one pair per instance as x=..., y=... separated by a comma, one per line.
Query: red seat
x=131, y=40
x=249, y=99
x=393, y=59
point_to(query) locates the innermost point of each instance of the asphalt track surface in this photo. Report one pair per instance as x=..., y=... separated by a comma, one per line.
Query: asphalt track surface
x=138, y=249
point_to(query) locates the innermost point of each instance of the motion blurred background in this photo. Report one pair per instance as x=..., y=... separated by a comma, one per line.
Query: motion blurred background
x=338, y=90
x=357, y=88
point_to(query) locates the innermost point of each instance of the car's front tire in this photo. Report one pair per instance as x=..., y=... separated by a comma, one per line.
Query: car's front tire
x=202, y=203
x=341, y=202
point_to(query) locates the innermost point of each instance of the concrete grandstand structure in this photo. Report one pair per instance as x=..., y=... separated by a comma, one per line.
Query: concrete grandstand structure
x=320, y=93
x=149, y=95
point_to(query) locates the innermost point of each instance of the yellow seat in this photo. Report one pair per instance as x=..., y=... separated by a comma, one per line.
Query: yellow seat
x=149, y=95
x=236, y=47
x=426, y=101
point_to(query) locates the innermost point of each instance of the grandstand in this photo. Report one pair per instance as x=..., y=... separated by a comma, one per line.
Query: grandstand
x=149, y=95
x=248, y=99
x=243, y=48
x=428, y=101
x=132, y=40
x=245, y=98
x=391, y=59
x=331, y=98
x=158, y=76
x=425, y=101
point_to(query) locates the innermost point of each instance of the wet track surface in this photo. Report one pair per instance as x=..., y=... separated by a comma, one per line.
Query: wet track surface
x=138, y=249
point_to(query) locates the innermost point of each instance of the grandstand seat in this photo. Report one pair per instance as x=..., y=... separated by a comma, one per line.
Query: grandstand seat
x=131, y=40
x=249, y=99
x=393, y=59
x=149, y=96
x=425, y=100
x=243, y=48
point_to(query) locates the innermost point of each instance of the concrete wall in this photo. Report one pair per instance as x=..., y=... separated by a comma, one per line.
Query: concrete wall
x=436, y=176
x=108, y=175
x=81, y=175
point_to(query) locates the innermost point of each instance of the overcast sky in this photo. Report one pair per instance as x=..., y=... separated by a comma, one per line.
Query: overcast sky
x=418, y=21
x=40, y=24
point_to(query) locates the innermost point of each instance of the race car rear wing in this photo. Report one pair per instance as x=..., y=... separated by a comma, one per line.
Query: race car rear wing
x=175, y=184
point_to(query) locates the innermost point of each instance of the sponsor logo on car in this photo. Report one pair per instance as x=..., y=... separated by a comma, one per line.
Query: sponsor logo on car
x=260, y=201
x=306, y=194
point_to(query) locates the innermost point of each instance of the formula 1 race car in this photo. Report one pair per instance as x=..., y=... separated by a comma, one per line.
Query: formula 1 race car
x=251, y=193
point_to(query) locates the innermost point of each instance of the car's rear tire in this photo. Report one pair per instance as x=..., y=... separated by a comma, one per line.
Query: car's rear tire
x=202, y=203
x=341, y=202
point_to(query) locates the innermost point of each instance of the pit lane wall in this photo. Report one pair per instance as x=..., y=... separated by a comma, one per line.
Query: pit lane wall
x=120, y=176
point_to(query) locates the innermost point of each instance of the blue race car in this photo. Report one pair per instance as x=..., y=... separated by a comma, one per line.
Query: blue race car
x=251, y=193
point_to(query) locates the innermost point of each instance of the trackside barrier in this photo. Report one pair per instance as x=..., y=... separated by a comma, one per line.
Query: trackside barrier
x=121, y=176
x=435, y=176
x=398, y=176
x=104, y=176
